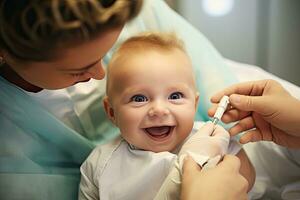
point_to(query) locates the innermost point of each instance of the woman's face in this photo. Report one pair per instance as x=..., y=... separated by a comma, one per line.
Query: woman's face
x=75, y=64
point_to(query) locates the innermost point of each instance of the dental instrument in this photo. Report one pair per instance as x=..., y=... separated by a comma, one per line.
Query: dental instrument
x=222, y=106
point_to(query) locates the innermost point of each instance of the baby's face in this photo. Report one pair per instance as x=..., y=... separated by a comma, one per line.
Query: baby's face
x=153, y=98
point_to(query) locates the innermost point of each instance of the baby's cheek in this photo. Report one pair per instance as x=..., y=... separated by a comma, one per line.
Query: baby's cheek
x=129, y=115
x=121, y=119
x=186, y=124
x=188, y=116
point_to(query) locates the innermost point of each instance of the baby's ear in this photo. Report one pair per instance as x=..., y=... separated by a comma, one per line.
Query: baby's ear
x=109, y=110
x=196, y=100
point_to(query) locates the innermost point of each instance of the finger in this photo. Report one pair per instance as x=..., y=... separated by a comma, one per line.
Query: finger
x=245, y=88
x=243, y=125
x=249, y=103
x=207, y=129
x=234, y=115
x=251, y=136
x=212, y=110
x=287, y=140
x=281, y=139
x=220, y=131
x=189, y=165
x=230, y=115
x=230, y=162
x=263, y=127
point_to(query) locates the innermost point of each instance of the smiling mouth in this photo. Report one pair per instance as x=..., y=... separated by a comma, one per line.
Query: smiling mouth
x=159, y=132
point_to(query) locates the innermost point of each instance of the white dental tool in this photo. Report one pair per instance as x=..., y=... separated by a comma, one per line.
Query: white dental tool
x=222, y=106
x=220, y=110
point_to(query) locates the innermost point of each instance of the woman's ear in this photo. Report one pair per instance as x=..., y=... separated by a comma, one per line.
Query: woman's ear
x=1, y=58
x=109, y=110
x=3, y=53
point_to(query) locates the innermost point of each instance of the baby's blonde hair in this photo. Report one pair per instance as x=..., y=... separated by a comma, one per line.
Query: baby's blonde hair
x=151, y=40
x=165, y=41
x=161, y=40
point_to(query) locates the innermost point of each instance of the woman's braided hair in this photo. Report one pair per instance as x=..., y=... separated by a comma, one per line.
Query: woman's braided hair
x=34, y=29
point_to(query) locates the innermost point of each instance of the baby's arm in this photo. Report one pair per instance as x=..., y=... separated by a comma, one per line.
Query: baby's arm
x=88, y=190
x=247, y=169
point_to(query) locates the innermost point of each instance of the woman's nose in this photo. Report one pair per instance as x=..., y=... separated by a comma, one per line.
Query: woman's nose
x=97, y=71
x=159, y=109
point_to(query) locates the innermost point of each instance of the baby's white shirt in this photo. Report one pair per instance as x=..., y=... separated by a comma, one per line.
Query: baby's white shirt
x=117, y=171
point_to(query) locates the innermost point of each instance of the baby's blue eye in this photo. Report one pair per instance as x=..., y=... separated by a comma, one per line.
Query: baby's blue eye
x=139, y=98
x=176, y=95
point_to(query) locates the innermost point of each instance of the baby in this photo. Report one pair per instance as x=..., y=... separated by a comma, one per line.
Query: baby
x=152, y=98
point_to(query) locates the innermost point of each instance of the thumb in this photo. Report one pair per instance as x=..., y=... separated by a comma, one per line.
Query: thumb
x=220, y=131
x=248, y=103
x=230, y=162
x=190, y=165
x=207, y=129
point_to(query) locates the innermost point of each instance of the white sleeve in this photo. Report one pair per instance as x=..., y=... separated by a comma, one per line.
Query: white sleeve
x=88, y=188
x=234, y=147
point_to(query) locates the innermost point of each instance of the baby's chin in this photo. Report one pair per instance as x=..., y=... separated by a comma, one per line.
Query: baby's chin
x=159, y=149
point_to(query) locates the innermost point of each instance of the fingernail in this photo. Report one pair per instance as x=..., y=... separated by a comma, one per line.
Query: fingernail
x=235, y=98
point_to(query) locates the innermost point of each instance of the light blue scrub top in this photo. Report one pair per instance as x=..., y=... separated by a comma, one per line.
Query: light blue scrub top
x=40, y=156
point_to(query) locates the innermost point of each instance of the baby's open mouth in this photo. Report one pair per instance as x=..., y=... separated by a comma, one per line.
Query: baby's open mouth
x=159, y=132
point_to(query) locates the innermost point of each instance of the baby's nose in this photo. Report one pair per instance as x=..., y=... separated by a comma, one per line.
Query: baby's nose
x=159, y=109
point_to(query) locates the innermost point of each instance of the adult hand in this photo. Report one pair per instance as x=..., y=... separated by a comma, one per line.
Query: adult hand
x=212, y=140
x=264, y=109
x=222, y=182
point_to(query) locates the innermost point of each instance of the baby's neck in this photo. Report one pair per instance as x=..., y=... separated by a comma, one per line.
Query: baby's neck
x=174, y=151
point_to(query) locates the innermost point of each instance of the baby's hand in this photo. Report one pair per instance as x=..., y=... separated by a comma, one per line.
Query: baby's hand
x=207, y=141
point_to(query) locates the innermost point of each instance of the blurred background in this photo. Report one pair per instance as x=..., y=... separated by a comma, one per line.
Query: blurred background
x=265, y=33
